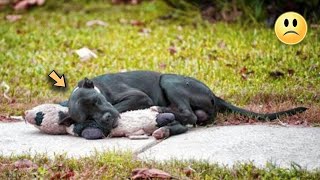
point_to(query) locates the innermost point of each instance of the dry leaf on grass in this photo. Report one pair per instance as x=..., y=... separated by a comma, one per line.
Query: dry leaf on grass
x=145, y=173
x=276, y=74
x=25, y=163
x=132, y=2
x=172, y=50
x=96, y=22
x=24, y=4
x=144, y=31
x=7, y=88
x=13, y=17
x=85, y=54
x=136, y=23
x=188, y=171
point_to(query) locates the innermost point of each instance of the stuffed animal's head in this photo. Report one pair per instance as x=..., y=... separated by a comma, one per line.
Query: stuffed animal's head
x=46, y=118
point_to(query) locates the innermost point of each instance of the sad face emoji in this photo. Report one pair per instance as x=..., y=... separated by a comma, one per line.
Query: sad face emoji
x=290, y=28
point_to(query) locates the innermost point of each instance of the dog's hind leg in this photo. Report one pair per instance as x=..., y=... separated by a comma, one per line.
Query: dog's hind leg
x=179, y=103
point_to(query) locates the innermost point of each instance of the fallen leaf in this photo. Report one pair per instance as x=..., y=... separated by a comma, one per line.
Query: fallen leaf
x=145, y=173
x=123, y=21
x=179, y=37
x=316, y=26
x=188, y=171
x=245, y=73
x=276, y=74
x=7, y=88
x=4, y=2
x=254, y=43
x=162, y=65
x=96, y=22
x=252, y=121
x=166, y=17
x=24, y=4
x=132, y=2
x=13, y=17
x=136, y=23
x=68, y=174
x=56, y=176
x=290, y=72
x=145, y=31
x=244, y=76
x=222, y=45
x=24, y=163
x=85, y=54
x=172, y=50
x=243, y=70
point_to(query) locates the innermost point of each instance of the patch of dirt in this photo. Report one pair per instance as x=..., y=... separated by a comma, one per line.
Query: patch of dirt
x=8, y=119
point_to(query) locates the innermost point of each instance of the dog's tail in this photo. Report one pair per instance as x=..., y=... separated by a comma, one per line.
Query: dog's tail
x=225, y=107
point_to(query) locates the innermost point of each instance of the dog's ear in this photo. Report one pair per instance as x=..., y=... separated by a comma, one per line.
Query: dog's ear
x=65, y=119
x=86, y=83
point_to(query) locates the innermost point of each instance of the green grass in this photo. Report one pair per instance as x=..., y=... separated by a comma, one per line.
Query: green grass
x=45, y=39
x=113, y=165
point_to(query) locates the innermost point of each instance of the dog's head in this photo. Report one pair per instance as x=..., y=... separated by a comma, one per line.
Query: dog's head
x=87, y=103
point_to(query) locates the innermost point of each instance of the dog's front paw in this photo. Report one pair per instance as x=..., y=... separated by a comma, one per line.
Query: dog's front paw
x=92, y=133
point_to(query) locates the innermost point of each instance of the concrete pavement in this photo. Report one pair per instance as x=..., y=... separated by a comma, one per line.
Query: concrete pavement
x=224, y=145
x=230, y=144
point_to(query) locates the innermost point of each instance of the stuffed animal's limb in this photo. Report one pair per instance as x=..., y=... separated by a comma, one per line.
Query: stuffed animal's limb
x=171, y=129
x=161, y=133
x=139, y=132
x=137, y=121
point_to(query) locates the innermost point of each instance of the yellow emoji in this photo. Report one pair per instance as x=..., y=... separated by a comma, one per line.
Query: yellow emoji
x=290, y=28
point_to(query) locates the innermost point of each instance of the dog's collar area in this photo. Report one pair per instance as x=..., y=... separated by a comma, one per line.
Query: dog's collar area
x=95, y=88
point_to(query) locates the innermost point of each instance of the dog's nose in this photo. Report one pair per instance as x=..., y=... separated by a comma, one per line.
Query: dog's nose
x=106, y=116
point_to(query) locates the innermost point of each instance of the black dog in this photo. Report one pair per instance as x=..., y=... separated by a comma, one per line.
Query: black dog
x=104, y=97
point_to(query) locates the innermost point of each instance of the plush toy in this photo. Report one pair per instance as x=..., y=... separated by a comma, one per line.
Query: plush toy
x=46, y=118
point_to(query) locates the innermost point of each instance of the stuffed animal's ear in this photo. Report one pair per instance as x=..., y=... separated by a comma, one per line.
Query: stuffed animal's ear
x=65, y=119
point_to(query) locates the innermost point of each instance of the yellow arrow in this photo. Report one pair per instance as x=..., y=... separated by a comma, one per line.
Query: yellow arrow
x=60, y=81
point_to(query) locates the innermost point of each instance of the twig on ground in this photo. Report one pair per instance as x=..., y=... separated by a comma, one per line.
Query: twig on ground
x=7, y=88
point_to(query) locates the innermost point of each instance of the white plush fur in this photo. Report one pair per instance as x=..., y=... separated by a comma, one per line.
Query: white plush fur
x=136, y=122
x=50, y=121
